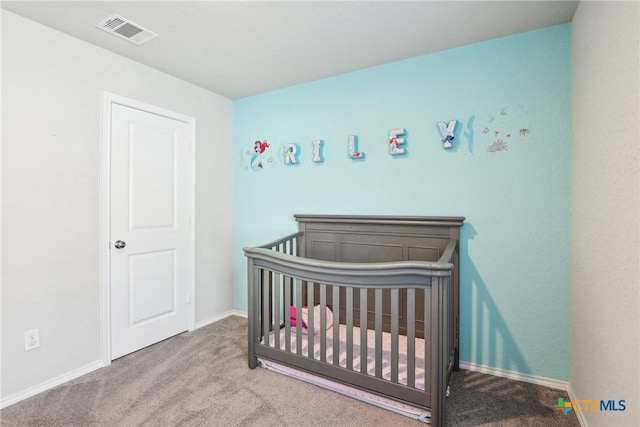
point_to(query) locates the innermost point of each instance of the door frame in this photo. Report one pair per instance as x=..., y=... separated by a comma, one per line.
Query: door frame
x=110, y=99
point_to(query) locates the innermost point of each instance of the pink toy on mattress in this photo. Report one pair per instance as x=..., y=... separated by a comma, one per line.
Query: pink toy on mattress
x=304, y=318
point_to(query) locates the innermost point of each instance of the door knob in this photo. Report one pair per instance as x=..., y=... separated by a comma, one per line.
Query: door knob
x=119, y=244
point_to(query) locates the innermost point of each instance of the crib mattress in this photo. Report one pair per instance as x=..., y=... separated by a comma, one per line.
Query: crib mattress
x=390, y=404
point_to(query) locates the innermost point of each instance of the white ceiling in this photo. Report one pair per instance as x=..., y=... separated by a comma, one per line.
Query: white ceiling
x=241, y=48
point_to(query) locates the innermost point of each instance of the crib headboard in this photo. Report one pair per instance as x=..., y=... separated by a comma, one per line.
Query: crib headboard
x=362, y=238
x=371, y=239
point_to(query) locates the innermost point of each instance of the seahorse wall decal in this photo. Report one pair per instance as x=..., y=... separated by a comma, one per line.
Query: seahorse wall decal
x=469, y=134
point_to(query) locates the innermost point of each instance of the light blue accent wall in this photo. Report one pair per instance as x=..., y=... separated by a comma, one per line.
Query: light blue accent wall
x=515, y=244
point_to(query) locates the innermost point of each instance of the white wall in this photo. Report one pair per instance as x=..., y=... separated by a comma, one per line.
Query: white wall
x=605, y=307
x=52, y=88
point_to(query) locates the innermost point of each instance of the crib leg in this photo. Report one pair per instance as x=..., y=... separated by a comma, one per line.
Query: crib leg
x=253, y=362
x=252, y=359
x=254, y=313
x=456, y=360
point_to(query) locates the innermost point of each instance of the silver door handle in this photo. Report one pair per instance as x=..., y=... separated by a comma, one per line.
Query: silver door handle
x=119, y=244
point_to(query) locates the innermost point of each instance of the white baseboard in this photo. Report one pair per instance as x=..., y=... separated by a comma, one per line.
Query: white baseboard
x=54, y=382
x=240, y=313
x=579, y=414
x=220, y=317
x=533, y=379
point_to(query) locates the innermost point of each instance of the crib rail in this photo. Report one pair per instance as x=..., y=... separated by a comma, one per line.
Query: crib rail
x=289, y=245
x=278, y=280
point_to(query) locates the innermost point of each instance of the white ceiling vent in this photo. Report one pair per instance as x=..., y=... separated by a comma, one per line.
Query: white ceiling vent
x=122, y=27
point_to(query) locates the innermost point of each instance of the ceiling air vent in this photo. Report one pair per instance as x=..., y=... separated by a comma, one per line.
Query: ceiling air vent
x=122, y=27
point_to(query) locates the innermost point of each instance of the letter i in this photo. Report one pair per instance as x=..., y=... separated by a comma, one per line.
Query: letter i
x=353, y=148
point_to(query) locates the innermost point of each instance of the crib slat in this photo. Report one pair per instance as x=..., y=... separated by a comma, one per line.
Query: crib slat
x=394, y=335
x=298, y=316
x=266, y=306
x=311, y=327
x=349, y=328
x=287, y=317
x=276, y=308
x=363, y=330
x=411, y=337
x=378, y=316
x=336, y=329
x=427, y=336
x=323, y=322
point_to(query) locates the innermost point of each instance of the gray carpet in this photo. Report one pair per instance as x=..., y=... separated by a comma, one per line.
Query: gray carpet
x=201, y=378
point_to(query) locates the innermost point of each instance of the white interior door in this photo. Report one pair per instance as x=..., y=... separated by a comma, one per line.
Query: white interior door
x=149, y=230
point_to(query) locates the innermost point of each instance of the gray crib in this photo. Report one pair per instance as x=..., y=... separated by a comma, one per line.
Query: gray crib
x=391, y=284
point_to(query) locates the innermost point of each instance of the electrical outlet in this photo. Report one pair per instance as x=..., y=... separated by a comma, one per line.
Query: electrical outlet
x=31, y=339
